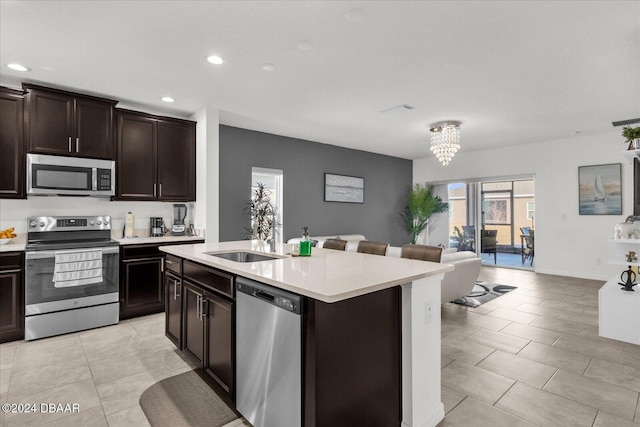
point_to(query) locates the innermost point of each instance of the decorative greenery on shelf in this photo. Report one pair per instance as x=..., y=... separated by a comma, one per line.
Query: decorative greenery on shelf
x=421, y=204
x=630, y=134
x=261, y=211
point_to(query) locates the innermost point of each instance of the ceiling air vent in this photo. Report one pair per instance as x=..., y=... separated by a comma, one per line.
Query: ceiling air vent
x=401, y=107
x=626, y=122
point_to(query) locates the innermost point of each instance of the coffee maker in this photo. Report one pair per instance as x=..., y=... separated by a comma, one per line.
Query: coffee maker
x=156, y=226
x=179, y=214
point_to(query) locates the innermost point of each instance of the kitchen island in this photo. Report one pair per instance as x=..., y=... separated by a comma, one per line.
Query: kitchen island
x=371, y=334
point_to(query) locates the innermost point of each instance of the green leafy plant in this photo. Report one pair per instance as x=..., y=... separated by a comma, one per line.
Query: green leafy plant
x=421, y=204
x=630, y=133
x=261, y=211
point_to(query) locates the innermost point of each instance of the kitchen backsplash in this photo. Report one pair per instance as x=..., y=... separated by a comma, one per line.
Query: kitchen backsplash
x=14, y=213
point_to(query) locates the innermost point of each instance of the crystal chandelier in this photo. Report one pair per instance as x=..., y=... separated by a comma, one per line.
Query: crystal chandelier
x=445, y=140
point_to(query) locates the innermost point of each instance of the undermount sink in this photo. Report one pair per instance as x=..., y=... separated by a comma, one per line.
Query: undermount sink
x=243, y=256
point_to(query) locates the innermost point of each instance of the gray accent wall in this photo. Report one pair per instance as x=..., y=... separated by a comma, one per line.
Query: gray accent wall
x=304, y=163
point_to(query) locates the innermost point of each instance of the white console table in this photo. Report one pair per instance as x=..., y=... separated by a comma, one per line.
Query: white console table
x=618, y=310
x=619, y=313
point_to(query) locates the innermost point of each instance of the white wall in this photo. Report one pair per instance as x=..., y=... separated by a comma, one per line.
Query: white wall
x=14, y=213
x=207, y=154
x=567, y=243
x=208, y=171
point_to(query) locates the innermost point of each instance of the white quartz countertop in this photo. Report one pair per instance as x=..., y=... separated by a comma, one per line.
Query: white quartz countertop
x=19, y=243
x=327, y=275
x=12, y=247
x=163, y=239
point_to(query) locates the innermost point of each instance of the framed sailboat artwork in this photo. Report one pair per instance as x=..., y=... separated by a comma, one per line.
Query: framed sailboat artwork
x=600, y=189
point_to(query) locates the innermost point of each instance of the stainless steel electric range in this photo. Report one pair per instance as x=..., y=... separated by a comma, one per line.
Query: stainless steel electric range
x=71, y=280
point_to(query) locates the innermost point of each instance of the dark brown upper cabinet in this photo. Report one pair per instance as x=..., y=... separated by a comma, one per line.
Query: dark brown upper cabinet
x=69, y=124
x=12, y=164
x=156, y=157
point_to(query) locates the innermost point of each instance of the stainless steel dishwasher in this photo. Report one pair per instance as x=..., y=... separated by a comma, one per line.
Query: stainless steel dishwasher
x=268, y=355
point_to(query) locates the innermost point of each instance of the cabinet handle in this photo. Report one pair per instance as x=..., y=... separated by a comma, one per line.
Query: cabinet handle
x=77, y=144
x=160, y=194
x=69, y=144
x=168, y=261
x=202, y=307
x=198, y=306
x=154, y=190
x=176, y=283
x=162, y=266
x=139, y=259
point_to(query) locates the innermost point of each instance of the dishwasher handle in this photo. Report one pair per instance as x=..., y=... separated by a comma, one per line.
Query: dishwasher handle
x=270, y=295
x=264, y=295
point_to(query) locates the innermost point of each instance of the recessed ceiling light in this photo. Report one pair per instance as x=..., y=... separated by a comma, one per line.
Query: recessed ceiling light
x=268, y=67
x=354, y=15
x=18, y=67
x=305, y=45
x=167, y=99
x=216, y=60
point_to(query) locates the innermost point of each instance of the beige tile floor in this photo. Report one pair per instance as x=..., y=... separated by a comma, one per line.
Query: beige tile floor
x=531, y=357
x=534, y=357
x=103, y=370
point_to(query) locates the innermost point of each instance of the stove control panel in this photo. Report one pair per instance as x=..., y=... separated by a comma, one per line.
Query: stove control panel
x=68, y=223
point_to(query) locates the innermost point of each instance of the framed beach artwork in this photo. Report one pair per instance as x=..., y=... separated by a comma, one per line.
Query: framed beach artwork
x=342, y=188
x=600, y=189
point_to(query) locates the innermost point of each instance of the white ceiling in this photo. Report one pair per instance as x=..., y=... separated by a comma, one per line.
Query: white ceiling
x=513, y=72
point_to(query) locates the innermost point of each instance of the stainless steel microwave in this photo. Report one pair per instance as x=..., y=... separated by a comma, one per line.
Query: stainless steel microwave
x=69, y=176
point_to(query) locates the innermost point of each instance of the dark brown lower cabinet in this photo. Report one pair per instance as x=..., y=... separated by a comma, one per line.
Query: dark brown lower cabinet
x=207, y=315
x=352, y=361
x=219, y=354
x=193, y=324
x=11, y=296
x=352, y=372
x=141, y=290
x=208, y=331
x=142, y=279
x=173, y=308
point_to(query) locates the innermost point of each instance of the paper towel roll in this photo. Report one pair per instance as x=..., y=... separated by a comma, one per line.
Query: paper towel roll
x=129, y=225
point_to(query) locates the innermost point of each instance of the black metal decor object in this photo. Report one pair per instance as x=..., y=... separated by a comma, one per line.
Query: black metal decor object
x=629, y=279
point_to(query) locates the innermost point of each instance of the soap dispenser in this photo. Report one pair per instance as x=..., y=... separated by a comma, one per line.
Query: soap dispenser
x=305, y=243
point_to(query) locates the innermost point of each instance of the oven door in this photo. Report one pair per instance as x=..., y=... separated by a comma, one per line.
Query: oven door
x=44, y=295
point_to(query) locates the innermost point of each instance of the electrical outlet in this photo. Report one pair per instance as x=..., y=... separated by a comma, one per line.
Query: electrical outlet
x=428, y=312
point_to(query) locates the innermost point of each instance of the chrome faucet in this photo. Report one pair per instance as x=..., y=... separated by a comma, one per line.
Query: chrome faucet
x=274, y=224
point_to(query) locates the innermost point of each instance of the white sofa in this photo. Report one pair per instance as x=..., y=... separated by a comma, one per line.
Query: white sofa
x=455, y=284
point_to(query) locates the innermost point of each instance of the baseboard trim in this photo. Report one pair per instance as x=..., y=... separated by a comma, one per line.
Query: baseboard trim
x=572, y=274
x=431, y=419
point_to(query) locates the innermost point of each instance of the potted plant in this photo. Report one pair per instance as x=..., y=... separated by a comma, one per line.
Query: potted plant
x=632, y=136
x=261, y=211
x=421, y=204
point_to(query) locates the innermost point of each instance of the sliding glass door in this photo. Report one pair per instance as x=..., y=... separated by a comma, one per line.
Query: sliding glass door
x=500, y=227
